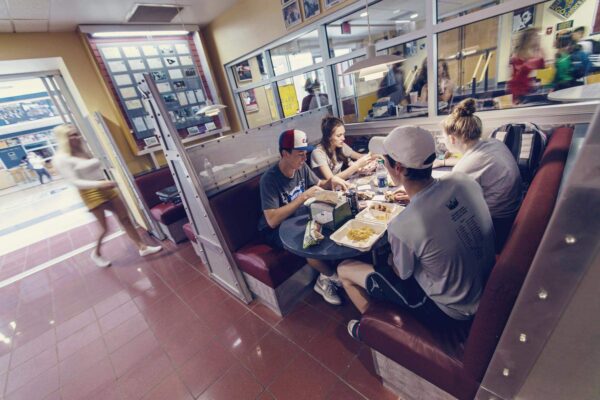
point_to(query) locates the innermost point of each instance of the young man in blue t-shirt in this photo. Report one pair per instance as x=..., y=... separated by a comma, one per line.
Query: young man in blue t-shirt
x=283, y=189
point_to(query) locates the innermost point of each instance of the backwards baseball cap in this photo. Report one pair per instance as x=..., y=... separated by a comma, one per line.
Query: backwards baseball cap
x=411, y=146
x=294, y=139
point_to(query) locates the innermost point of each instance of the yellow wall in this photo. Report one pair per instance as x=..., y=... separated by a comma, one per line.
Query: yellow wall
x=71, y=48
x=245, y=27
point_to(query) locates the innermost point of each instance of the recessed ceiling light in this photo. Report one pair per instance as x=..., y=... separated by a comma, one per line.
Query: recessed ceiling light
x=413, y=16
x=402, y=21
x=364, y=14
x=396, y=11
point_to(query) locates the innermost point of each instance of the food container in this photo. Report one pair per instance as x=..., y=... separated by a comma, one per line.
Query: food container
x=380, y=213
x=341, y=235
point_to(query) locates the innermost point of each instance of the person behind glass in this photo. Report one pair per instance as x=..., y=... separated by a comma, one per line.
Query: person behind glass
x=77, y=165
x=37, y=164
x=489, y=162
x=442, y=243
x=527, y=57
x=580, y=61
x=563, y=77
x=446, y=86
x=283, y=190
x=392, y=85
x=333, y=157
x=315, y=98
x=419, y=86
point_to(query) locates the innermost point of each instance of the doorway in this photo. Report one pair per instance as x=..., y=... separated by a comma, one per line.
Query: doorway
x=41, y=214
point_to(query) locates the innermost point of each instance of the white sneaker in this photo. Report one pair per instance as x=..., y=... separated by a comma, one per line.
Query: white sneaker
x=99, y=260
x=325, y=287
x=353, y=326
x=150, y=250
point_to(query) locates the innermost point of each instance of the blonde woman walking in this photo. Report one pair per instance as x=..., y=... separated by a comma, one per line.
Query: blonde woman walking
x=76, y=164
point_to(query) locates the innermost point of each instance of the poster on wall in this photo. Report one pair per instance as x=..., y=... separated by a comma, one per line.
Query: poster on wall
x=310, y=8
x=249, y=101
x=289, y=100
x=243, y=71
x=523, y=18
x=331, y=3
x=291, y=14
x=565, y=8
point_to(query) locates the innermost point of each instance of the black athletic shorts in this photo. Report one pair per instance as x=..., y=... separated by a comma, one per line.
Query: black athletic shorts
x=385, y=285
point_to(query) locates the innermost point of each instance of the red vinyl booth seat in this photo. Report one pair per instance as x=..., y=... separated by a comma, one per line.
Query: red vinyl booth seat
x=150, y=183
x=452, y=360
x=168, y=213
x=237, y=211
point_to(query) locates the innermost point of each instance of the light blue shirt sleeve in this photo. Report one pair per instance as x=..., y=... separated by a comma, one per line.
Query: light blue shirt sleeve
x=403, y=257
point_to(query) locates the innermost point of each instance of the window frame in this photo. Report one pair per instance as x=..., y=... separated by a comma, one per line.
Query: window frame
x=429, y=31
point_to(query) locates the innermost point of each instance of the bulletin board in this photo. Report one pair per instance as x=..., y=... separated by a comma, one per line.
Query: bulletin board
x=173, y=62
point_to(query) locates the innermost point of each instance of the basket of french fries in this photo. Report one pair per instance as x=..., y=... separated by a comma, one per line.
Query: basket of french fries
x=357, y=234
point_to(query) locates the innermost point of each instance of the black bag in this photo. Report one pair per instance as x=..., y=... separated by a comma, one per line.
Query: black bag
x=169, y=195
x=526, y=141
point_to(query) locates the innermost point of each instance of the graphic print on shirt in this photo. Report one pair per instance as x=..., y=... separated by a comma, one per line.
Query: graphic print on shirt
x=467, y=229
x=289, y=196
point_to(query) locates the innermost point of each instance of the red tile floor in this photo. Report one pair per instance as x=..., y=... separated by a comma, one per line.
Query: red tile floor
x=159, y=328
x=38, y=253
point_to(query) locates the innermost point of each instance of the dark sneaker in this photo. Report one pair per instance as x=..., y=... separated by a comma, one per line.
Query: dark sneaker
x=353, y=325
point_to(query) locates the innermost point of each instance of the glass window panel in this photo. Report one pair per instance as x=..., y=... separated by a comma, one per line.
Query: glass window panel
x=388, y=94
x=259, y=106
x=515, y=59
x=303, y=92
x=249, y=71
x=448, y=10
x=296, y=54
x=388, y=18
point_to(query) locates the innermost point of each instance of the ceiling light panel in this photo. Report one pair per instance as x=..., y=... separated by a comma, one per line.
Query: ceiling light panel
x=29, y=9
x=30, y=25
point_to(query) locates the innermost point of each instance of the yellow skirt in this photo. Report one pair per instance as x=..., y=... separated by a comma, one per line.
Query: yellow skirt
x=93, y=198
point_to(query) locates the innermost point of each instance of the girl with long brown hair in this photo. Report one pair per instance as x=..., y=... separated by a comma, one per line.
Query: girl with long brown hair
x=333, y=157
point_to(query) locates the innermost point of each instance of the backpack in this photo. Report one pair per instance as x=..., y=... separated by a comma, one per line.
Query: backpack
x=526, y=141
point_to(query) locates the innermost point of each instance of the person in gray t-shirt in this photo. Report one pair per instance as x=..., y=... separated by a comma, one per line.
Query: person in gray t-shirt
x=489, y=162
x=442, y=243
x=283, y=189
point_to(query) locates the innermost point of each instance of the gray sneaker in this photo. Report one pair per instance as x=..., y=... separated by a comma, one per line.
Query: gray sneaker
x=327, y=289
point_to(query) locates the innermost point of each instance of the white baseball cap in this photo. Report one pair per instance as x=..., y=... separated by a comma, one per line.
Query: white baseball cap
x=411, y=146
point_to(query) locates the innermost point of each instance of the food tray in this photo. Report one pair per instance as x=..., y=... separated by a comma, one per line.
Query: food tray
x=375, y=216
x=340, y=237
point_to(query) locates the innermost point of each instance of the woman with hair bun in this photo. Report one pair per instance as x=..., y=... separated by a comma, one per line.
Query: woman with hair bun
x=489, y=162
x=76, y=164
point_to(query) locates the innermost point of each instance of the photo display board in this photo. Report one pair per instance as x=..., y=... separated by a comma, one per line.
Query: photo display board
x=171, y=63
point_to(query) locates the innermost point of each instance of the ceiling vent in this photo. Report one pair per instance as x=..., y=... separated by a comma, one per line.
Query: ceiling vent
x=153, y=13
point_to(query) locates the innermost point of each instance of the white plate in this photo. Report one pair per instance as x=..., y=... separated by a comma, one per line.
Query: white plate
x=379, y=217
x=340, y=237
